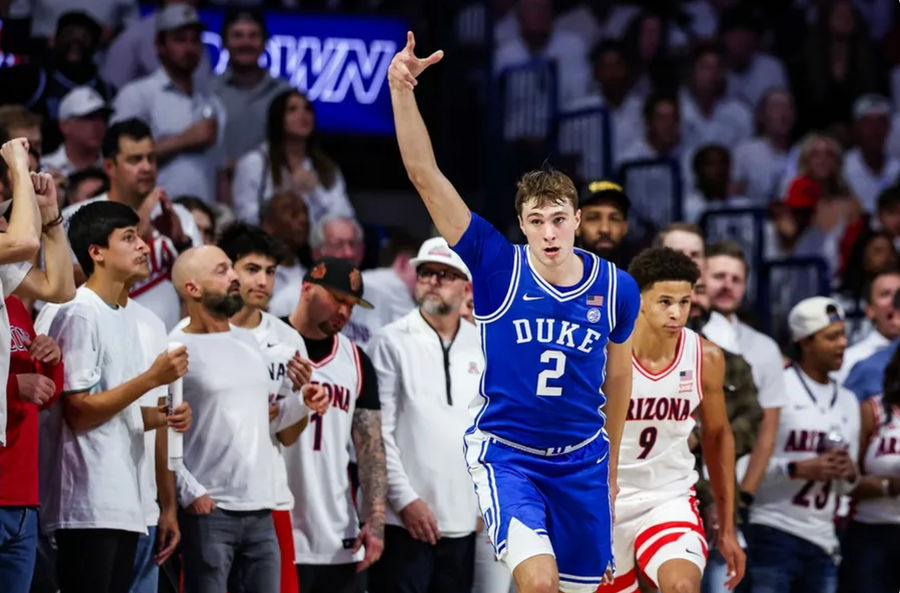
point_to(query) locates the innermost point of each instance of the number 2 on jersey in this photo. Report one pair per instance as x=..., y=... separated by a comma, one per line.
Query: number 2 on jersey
x=558, y=359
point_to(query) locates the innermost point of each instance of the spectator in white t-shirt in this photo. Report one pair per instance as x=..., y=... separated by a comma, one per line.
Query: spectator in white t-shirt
x=129, y=159
x=707, y=114
x=760, y=163
x=751, y=73
x=291, y=159
x=255, y=254
x=187, y=120
x=83, y=116
x=867, y=167
x=226, y=489
x=92, y=499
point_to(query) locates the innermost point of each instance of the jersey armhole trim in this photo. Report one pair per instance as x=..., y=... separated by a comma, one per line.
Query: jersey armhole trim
x=611, y=296
x=700, y=367
x=510, y=291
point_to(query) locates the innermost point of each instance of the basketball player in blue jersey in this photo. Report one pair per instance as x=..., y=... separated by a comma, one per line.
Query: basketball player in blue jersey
x=555, y=326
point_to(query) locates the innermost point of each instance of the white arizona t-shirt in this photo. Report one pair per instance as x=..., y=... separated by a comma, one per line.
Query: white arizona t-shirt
x=91, y=479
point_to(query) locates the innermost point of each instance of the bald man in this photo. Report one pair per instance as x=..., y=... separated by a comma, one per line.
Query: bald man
x=225, y=491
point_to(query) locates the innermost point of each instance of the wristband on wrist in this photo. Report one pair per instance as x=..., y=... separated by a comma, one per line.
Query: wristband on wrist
x=55, y=222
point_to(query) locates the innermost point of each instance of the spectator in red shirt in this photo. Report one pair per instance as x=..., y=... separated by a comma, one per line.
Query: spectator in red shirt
x=35, y=381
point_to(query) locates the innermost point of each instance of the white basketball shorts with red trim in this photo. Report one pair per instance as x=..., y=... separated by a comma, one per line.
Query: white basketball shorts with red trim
x=644, y=539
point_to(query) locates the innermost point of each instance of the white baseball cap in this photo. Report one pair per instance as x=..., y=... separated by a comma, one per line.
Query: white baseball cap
x=871, y=104
x=812, y=315
x=176, y=16
x=436, y=250
x=81, y=101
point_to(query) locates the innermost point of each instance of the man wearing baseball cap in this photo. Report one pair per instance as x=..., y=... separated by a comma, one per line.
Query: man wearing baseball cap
x=430, y=533
x=791, y=536
x=868, y=168
x=604, y=221
x=83, y=118
x=330, y=548
x=185, y=117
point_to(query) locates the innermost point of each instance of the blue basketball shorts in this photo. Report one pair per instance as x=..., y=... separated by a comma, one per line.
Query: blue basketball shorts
x=546, y=504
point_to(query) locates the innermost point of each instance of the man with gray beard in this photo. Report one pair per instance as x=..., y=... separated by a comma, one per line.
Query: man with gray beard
x=431, y=517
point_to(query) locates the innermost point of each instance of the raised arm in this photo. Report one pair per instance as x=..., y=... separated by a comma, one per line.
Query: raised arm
x=22, y=238
x=55, y=283
x=717, y=443
x=447, y=209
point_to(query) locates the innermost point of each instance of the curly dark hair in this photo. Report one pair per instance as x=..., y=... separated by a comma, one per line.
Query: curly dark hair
x=661, y=264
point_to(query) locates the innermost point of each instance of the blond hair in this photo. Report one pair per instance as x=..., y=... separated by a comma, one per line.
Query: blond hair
x=546, y=186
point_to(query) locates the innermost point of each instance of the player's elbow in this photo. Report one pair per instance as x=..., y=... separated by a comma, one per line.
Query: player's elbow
x=422, y=174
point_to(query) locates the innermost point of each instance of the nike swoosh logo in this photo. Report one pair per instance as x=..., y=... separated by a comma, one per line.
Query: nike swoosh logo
x=528, y=297
x=691, y=552
x=268, y=345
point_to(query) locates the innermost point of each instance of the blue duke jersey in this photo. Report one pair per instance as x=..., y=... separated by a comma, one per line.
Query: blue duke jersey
x=544, y=345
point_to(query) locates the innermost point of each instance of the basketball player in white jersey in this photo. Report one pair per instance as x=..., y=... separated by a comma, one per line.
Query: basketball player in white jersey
x=791, y=538
x=328, y=540
x=871, y=557
x=658, y=533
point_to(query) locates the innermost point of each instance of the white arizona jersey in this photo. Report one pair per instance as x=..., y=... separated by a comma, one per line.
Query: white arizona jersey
x=655, y=462
x=324, y=516
x=278, y=342
x=806, y=508
x=882, y=459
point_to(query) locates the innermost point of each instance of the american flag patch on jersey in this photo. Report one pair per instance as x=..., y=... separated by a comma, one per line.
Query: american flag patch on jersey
x=595, y=300
x=686, y=375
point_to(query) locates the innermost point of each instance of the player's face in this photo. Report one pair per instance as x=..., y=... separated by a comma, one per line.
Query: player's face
x=725, y=283
x=666, y=305
x=603, y=227
x=329, y=310
x=256, y=274
x=126, y=255
x=881, y=308
x=440, y=289
x=550, y=230
x=826, y=347
x=133, y=170
x=687, y=243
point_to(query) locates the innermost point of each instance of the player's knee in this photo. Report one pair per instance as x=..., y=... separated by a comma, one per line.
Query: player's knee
x=536, y=579
x=681, y=585
x=538, y=584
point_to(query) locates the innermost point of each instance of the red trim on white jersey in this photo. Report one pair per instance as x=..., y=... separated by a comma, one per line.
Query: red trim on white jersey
x=330, y=356
x=625, y=583
x=700, y=366
x=359, y=372
x=679, y=350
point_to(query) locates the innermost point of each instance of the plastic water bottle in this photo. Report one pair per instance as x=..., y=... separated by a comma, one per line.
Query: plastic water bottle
x=835, y=441
x=174, y=397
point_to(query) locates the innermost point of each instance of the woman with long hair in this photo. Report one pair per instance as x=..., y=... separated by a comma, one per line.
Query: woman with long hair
x=871, y=557
x=290, y=160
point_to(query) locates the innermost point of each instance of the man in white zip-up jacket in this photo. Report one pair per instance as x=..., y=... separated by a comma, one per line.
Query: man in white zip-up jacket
x=429, y=366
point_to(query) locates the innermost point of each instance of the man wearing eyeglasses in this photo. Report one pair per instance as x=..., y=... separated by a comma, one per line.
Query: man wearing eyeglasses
x=429, y=366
